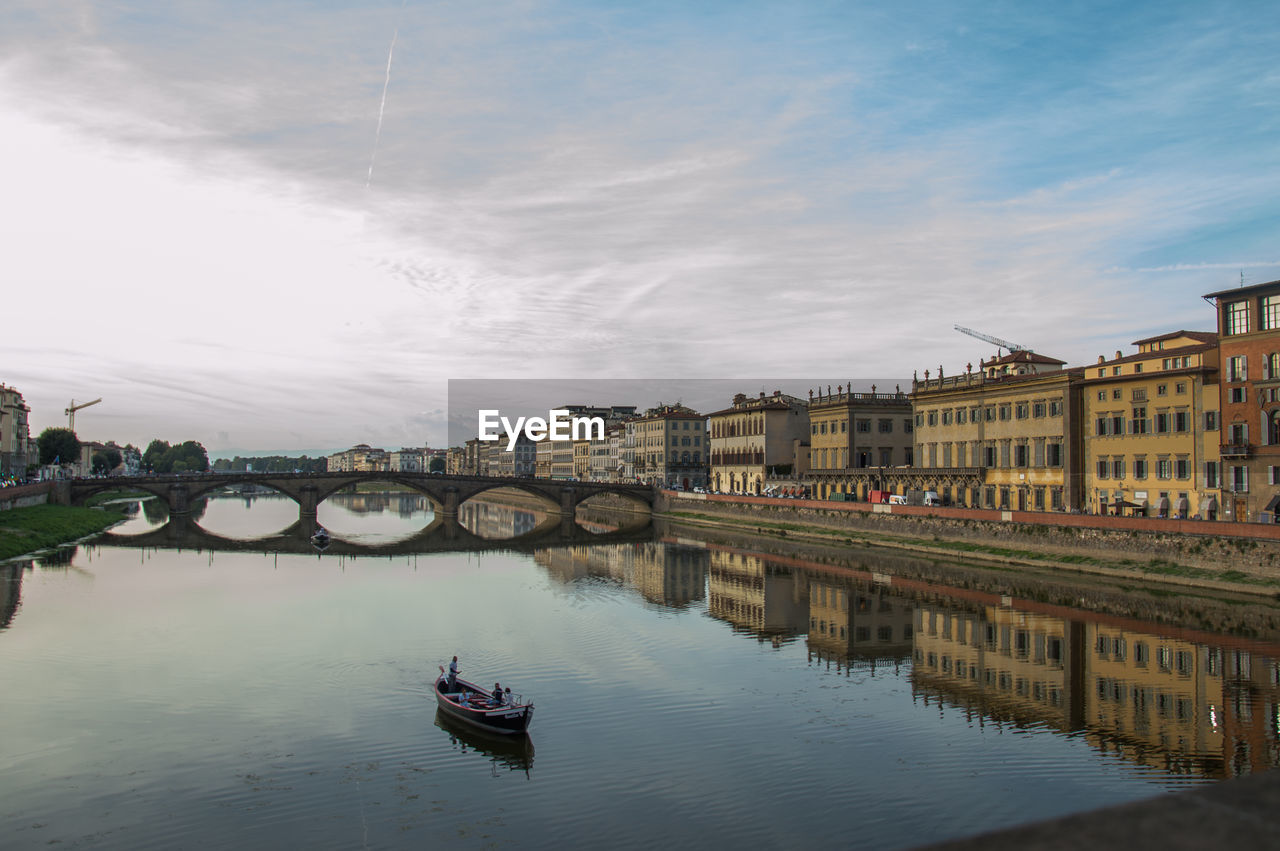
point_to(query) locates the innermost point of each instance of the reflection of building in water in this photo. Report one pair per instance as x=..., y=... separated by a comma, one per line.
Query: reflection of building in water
x=490, y=520
x=756, y=596
x=10, y=590
x=404, y=504
x=1007, y=663
x=669, y=575
x=851, y=620
x=1165, y=702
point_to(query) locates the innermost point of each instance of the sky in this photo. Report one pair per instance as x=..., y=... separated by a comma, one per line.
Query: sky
x=286, y=225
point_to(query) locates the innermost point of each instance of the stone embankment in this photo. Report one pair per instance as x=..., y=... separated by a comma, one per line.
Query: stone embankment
x=1209, y=554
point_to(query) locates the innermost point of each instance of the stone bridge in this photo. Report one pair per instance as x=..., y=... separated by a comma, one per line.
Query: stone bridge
x=311, y=489
x=444, y=534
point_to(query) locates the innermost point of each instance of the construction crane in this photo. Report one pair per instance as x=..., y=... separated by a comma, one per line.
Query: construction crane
x=1012, y=347
x=73, y=407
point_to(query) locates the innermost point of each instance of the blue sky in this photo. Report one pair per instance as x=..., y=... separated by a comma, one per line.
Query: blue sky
x=602, y=190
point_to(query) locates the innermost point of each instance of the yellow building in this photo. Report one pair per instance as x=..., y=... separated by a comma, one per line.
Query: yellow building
x=757, y=438
x=1151, y=429
x=1006, y=436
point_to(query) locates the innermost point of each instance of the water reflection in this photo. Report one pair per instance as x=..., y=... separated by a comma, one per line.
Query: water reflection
x=494, y=521
x=513, y=753
x=376, y=517
x=670, y=576
x=10, y=590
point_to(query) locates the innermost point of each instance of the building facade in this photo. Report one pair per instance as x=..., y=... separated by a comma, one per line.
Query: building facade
x=1151, y=429
x=757, y=438
x=1249, y=397
x=15, y=434
x=1006, y=436
x=670, y=447
x=855, y=431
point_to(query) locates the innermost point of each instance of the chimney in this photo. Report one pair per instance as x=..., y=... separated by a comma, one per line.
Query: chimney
x=1118, y=354
x=1102, y=359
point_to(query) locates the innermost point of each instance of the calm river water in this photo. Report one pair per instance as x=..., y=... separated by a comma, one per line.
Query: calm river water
x=690, y=689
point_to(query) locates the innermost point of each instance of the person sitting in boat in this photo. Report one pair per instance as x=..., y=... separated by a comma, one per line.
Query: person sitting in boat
x=499, y=698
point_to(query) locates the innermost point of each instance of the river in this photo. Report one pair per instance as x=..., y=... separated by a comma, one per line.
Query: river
x=691, y=687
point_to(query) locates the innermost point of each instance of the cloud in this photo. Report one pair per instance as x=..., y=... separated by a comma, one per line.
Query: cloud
x=562, y=189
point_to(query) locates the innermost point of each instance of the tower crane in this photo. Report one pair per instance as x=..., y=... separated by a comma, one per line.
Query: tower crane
x=1012, y=347
x=73, y=407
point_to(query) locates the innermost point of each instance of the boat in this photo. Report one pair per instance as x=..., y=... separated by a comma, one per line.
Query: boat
x=473, y=704
x=321, y=538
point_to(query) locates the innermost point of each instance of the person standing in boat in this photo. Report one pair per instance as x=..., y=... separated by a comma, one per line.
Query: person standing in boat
x=453, y=674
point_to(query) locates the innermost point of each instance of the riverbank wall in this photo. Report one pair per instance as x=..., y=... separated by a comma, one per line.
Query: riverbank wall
x=1252, y=549
x=20, y=496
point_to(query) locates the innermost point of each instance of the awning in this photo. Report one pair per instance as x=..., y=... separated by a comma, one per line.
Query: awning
x=1183, y=505
x=1271, y=506
x=1209, y=503
x=1162, y=504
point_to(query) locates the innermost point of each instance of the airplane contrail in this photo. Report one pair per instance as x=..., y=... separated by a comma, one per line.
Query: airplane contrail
x=381, y=108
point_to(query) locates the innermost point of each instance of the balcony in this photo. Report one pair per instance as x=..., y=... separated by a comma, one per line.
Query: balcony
x=1235, y=450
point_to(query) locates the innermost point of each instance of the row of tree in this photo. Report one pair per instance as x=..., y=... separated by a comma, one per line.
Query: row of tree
x=186, y=457
x=271, y=464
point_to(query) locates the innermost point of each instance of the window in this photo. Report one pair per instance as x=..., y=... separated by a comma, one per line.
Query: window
x=1053, y=457
x=1101, y=426
x=1237, y=396
x=886, y=426
x=1138, y=425
x=1239, y=479
x=1115, y=370
x=1055, y=408
x=1180, y=387
x=1162, y=389
x=1211, y=474
x=1162, y=422
x=1005, y=412
x=1239, y=433
x=1137, y=367
x=1102, y=395
x=1117, y=467
x=946, y=417
x=1117, y=423
x=1164, y=468
x=1271, y=365
x=1102, y=467
x=1117, y=393
x=1022, y=411
x=1038, y=409
x=864, y=426
x=1140, y=467
x=1210, y=420
x=906, y=426
x=1270, y=313
x=961, y=415
x=1020, y=455
x=1182, y=420
x=1236, y=318
x=1182, y=467
x=1237, y=368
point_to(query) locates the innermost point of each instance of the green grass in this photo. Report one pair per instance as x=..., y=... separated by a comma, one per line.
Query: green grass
x=35, y=527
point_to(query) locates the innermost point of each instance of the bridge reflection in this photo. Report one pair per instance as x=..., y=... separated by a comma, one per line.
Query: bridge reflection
x=444, y=534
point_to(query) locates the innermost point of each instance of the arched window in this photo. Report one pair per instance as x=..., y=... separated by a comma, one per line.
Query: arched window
x=1273, y=427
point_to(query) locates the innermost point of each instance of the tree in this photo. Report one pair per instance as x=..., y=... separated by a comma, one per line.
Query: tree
x=435, y=465
x=58, y=445
x=151, y=458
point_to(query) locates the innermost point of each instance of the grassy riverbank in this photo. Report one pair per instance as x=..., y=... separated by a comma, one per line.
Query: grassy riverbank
x=35, y=527
x=1154, y=568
